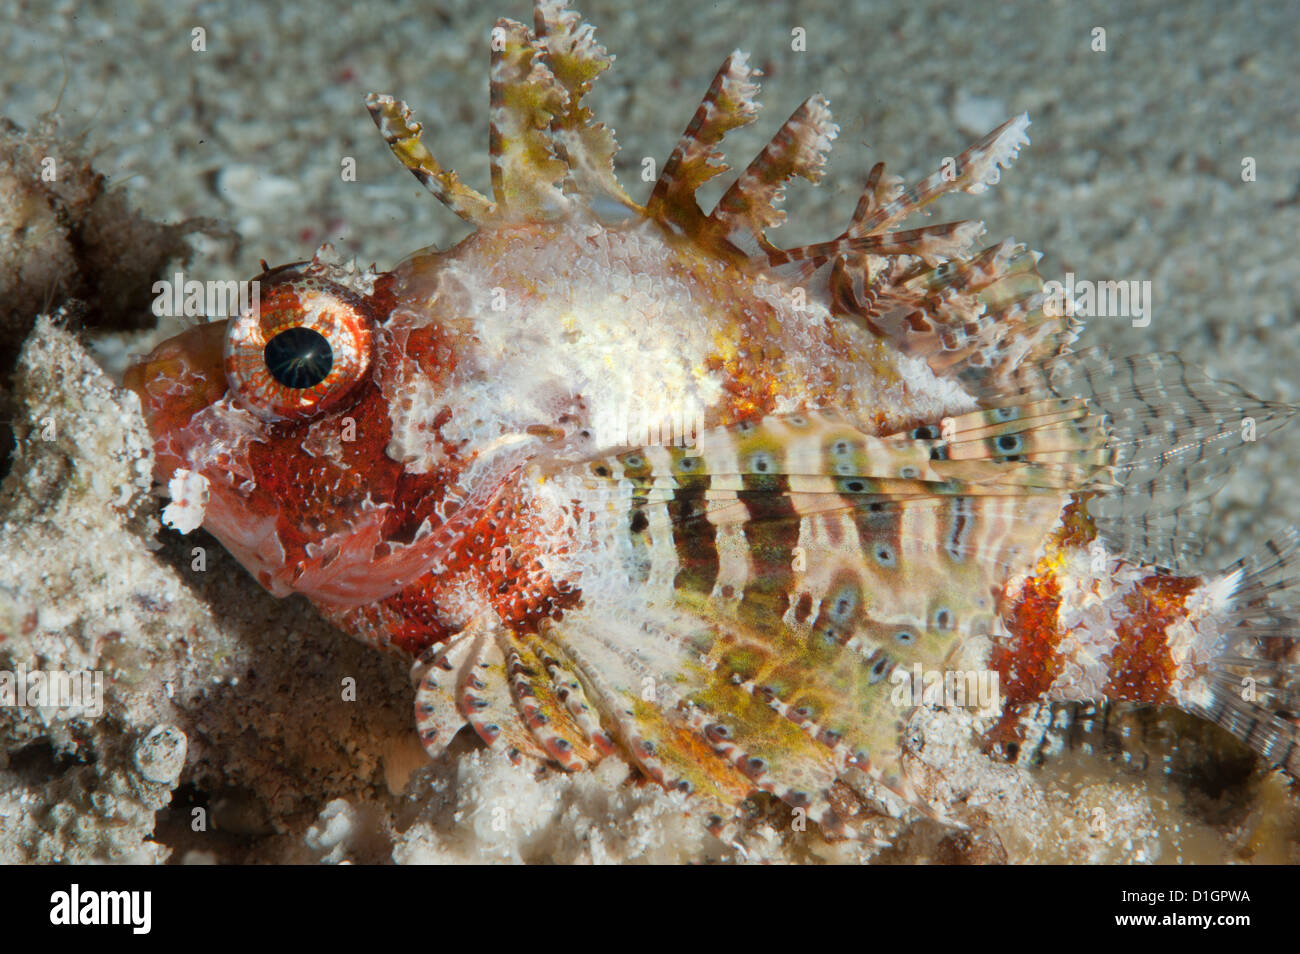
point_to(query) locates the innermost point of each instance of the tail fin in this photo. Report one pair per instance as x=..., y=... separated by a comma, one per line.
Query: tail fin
x=1254, y=685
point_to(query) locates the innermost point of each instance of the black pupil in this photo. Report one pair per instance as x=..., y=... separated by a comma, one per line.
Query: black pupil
x=299, y=357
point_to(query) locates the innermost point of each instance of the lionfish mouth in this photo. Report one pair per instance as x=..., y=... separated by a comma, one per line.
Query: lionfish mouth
x=179, y=378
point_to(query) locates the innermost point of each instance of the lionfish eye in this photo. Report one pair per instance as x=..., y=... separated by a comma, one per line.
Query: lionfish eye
x=301, y=351
x=299, y=357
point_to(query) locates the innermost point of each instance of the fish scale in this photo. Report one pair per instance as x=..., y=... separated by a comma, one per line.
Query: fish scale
x=877, y=459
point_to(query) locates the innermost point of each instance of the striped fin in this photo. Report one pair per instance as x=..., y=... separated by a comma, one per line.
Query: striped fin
x=718, y=736
x=1254, y=684
x=628, y=669
x=517, y=694
x=734, y=708
x=435, y=676
x=729, y=103
x=882, y=206
x=973, y=171
x=933, y=244
x=879, y=190
x=575, y=58
x=972, y=318
x=402, y=133
x=482, y=694
x=1174, y=431
x=552, y=705
x=799, y=148
x=1065, y=443
x=1006, y=448
x=785, y=570
x=1266, y=721
x=806, y=520
x=525, y=97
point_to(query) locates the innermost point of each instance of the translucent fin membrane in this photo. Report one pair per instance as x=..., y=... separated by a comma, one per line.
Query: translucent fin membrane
x=1173, y=433
x=1255, y=683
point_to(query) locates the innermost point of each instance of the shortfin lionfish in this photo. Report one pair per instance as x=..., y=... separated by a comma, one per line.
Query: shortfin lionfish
x=633, y=481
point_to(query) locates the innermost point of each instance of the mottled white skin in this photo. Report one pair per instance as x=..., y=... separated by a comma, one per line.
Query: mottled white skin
x=609, y=324
x=1197, y=641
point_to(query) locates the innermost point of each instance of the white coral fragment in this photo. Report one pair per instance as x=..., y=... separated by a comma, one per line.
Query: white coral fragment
x=189, y=493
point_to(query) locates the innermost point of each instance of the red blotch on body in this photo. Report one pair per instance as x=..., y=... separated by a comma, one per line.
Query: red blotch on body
x=1141, y=667
x=310, y=492
x=497, y=558
x=1027, y=662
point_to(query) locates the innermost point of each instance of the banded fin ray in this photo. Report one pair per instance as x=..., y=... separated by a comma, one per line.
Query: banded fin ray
x=525, y=98
x=403, y=135
x=1174, y=431
x=967, y=318
x=548, y=155
x=882, y=209
x=729, y=103
x=799, y=148
x=569, y=48
x=774, y=601
x=466, y=682
x=436, y=675
x=973, y=171
x=653, y=687
x=1253, y=686
x=514, y=692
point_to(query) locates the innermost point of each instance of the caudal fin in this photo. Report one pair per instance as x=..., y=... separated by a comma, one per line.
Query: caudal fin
x=1254, y=685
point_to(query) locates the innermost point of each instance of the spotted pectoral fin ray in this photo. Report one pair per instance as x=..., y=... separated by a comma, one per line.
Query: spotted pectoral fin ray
x=436, y=674
x=518, y=695
x=689, y=725
x=552, y=704
x=478, y=690
x=788, y=572
x=1173, y=432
